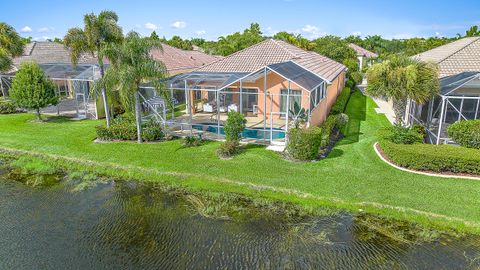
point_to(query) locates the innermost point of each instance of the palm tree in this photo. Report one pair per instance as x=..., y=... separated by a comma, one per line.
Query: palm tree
x=131, y=66
x=401, y=78
x=11, y=45
x=99, y=31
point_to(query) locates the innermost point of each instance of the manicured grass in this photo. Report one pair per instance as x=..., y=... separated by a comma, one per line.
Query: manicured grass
x=352, y=177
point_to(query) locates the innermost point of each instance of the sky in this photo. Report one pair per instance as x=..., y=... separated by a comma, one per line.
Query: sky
x=210, y=19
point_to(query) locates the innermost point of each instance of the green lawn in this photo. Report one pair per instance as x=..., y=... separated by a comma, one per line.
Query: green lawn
x=353, y=177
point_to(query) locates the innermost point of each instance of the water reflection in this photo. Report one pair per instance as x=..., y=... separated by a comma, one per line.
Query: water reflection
x=126, y=225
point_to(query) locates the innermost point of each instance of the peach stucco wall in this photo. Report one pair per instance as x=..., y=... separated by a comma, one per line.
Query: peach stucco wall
x=320, y=113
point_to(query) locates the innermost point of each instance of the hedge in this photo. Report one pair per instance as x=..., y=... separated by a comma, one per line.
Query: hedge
x=7, y=107
x=466, y=133
x=305, y=143
x=429, y=157
x=341, y=102
x=124, y=129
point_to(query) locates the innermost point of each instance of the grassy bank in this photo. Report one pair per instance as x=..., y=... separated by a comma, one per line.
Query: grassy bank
x=352, y=177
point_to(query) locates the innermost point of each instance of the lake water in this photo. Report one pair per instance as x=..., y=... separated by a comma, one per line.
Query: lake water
x=124, y=225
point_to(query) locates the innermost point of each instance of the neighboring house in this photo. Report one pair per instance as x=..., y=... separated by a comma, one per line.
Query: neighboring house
x=364, y=56
x=180, y=61
x=74, y=84
x=264, y=82
x=459, y=98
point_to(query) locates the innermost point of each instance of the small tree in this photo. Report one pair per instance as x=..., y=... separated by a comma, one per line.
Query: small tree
x=233, y=128
x=31, y=89
x=401, y=78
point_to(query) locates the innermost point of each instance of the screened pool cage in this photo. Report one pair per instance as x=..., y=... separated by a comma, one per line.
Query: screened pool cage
x=459, y=99
x=270, y=98
x=73, y=86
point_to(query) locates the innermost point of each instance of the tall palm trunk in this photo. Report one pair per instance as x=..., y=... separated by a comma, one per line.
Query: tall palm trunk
x=399, y=106
x=138, y=117
x=105, y=98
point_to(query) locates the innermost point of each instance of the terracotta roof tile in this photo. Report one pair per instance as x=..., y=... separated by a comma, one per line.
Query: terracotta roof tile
x=177, y=60
x=275, y=51
x=456, y=57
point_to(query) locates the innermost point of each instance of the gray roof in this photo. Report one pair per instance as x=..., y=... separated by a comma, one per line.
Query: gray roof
x=271, y=52
x=451, y=83
x=462, y=55
x=49, y=53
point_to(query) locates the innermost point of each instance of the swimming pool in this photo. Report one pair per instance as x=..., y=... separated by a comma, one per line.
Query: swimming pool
x=254, y=133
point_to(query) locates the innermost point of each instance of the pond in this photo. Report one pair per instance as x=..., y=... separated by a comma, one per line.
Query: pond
x=127, y=225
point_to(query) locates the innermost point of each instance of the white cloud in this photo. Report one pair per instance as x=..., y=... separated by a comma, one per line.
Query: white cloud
x=357, y=33
x=200, y=32
x=26, y=29
x=312, y=31
x=151, y=26
x=45, y=29
x=179, y=24
x=270, y=31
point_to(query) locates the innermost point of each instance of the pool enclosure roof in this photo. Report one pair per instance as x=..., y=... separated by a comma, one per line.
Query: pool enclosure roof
x=220, y=80
x=67, y=71
x=449, y=84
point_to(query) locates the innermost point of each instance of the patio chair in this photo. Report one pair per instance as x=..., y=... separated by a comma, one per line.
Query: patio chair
x=208, y=108
x=233, y=108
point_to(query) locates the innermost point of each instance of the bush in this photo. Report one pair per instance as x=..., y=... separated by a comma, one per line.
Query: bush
x=341, y=102
x=7, y=107
x=152, y=131
x=191, y=141
x=402, y=135
x=342, y=121
x=234, y=126
x=466, y=133
x=350, y=84
x=228, y=149
x=31, y=89
x=123, y=128
x=304, y=143
x=438, y=158
x=327, y=128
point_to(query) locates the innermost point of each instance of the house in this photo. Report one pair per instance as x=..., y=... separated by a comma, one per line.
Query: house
x=268, y=82
x=459, y=97
x=74, y=84
x=364, y=56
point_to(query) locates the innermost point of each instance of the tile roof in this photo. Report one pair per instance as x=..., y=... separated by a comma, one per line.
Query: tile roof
x=362, y=52
x=275, y=51
x=49, y=53
x=178, y=61
x=456, y=57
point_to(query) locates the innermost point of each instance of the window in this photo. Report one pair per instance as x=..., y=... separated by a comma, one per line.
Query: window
x=295, y=97
x=317, y=95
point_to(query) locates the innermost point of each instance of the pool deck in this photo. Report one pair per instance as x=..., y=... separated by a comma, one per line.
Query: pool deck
x=252, y=121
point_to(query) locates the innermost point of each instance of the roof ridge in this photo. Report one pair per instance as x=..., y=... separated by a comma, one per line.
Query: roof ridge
x=474, y=39
x=233, y=54
x=286, y=49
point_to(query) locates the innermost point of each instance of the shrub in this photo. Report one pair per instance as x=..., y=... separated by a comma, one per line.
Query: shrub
x=341, y=102
x=342, y=121
x=152, y=131
x=466, y=133
x=234, y=126
x=327, y=128
x=350, y=84
x=438, y=158
x=228, y=149
x=304, y=143
x=191, y=141
x=123, y=128
x=402, y=135
x=31, y=89
x=7, y=107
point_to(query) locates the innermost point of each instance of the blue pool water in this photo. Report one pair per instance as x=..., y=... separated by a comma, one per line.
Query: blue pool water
x=255, y=133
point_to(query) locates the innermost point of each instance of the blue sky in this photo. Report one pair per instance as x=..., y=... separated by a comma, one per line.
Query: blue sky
x=210, y=19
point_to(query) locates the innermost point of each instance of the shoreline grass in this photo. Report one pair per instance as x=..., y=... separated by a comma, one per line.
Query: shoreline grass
x=352, y=178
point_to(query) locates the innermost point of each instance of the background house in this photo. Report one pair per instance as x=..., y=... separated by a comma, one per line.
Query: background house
x=364, y=56
x=459, y=97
